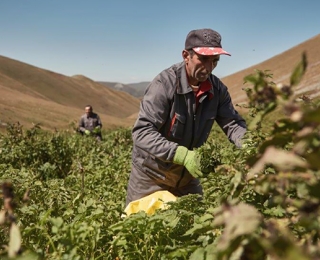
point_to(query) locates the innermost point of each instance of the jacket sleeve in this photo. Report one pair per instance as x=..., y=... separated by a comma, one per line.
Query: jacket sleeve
x=81, y=125
x=99, y=121
x=232, y=124
x=154, y=111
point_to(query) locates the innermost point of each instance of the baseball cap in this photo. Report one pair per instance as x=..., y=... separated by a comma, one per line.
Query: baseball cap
x=205, y=42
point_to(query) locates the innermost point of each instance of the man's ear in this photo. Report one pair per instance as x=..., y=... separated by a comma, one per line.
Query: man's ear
x=185, y=55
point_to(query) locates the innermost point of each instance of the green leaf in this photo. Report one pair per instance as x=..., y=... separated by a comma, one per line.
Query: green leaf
x=275, y=211
x=54, y=230
x=199, y=254
x=299, y=71
x=57, y=222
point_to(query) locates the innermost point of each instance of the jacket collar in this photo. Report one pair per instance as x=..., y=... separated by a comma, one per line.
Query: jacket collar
x=206, y=87
x=182, y=79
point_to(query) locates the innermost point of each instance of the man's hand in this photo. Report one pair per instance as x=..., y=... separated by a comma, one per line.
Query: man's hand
x=188, y=159
x=97, y=130
x=87, y=132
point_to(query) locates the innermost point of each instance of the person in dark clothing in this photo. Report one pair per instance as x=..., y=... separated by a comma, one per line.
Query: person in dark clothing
x=176, y=115
x=90, y=123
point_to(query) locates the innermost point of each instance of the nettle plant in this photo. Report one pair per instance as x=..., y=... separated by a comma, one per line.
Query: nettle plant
x=280, y=178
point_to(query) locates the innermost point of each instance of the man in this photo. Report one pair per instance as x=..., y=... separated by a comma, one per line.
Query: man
x=90, y=123
x=176, y=115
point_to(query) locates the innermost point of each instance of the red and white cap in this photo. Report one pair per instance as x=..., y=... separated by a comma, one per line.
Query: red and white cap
x=205, y=42
x=210, y=51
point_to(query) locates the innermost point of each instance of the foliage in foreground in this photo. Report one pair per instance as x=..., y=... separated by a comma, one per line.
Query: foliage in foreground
x=260, y=202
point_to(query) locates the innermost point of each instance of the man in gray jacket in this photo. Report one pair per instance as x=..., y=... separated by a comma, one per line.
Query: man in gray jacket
x=90, y=123
x=176, y=115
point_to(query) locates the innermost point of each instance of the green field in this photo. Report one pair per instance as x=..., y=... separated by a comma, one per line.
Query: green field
x=63, y=195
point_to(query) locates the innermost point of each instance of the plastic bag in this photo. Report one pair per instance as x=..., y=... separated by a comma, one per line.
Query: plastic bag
x=150, y=203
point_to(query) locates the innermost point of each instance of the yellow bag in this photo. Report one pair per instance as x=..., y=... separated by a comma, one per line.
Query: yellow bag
x=150, y=203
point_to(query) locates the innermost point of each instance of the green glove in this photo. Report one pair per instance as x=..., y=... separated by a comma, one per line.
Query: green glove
x=87, y=132
x=188, y=159
x=96, y=130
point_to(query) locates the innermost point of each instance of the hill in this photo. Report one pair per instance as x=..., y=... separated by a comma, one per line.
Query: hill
x=134, y=89
x=31, y=95
x=34, y=95
x=281, y=66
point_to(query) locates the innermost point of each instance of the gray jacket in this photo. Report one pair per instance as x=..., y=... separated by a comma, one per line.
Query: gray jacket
x=168, y=117
x=89, y=123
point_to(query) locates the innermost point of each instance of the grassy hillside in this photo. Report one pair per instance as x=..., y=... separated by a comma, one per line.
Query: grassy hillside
x=281, y=67
x=33, y=95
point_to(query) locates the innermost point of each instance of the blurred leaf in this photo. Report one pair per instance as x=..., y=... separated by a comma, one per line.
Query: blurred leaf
x=238, y=220
x=314, y=190
x=198, y=254
x=279, y=140
x=285, y=125
x=15, y=240
x=2, y=217
x=312, y=115
x=24, y=256
x=313, y=160
x=282, y=160
x=254, y=124
x=302, y=190
x=299, y=71
x=236, y=184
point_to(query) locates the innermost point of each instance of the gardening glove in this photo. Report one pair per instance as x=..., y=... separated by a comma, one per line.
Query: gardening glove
x=188, y=159
x=87, y=132
x=97, y=130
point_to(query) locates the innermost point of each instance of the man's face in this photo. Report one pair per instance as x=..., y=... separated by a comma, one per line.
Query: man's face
x=199, y=67
x=88, y=111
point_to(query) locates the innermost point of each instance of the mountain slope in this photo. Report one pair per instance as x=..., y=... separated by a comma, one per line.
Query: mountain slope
x=134, y=89
x=40, y=93
x=281, y=66
x=31, y=95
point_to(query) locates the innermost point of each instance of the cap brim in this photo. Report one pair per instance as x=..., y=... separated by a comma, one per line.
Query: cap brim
x=210, y=51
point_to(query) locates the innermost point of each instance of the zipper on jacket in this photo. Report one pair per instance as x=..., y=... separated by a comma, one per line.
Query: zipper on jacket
x=195, y=111
x=193, y=128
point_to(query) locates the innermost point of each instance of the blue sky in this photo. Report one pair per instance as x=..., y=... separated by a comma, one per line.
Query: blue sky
x=131, y=41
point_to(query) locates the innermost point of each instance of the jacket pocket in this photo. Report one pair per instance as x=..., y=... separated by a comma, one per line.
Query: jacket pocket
x=177, y=127
x=155, y=168
x=162, y=172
